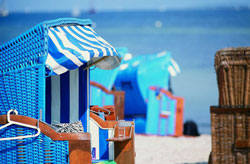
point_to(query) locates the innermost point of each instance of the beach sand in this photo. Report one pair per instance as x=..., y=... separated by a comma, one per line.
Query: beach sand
x=172, y=150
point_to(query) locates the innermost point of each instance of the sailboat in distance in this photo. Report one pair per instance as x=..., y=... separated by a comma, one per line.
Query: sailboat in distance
x=3, y=8
x=91, y=7
x=76, y=12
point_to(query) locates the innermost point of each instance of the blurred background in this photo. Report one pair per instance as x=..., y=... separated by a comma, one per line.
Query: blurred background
x=192, y=31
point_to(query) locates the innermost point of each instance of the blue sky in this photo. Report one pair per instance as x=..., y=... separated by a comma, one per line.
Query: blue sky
x=104, y=5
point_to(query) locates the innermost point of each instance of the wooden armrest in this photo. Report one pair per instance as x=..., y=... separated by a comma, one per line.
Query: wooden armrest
x=46, y=129
x=127, y=132
x=242, y=144
x=108, y=110
x=119, y=139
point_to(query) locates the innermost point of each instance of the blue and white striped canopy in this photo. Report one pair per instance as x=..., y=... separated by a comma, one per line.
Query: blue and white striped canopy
x=72, y=46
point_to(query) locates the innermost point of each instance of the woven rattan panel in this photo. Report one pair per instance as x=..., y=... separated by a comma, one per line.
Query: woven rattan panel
x=232, y=67
x=23, y=90
x=40, y=149
x=23, y=50
x=227, y=126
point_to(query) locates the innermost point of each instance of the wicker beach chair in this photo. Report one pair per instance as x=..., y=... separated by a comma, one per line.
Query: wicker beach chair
x=230, y=119
x=44, y=75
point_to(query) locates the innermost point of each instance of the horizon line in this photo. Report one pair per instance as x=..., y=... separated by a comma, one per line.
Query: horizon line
x=135, y=10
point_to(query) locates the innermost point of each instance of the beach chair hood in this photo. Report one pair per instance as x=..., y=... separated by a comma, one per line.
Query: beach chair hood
x=65, y=44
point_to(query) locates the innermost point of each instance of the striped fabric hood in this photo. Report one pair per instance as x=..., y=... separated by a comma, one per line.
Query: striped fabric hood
x=71, y=46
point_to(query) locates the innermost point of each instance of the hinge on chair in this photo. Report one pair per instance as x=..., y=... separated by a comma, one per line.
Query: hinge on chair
x=241, y=150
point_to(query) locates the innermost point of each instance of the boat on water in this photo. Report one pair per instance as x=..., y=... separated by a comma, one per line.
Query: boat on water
x=3, y=9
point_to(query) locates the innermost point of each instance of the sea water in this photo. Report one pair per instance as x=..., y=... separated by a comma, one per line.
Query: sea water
x=192, y=37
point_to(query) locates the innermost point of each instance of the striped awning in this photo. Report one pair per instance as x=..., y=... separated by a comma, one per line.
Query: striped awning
x=72, y=46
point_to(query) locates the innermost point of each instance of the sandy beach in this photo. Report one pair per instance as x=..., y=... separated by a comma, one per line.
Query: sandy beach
x=172, y=150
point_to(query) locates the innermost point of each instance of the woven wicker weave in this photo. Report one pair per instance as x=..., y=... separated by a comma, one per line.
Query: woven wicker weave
x=230, y=121
x=229, y=125
x=232, y=67
x=33, y=150
x=23, y=90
